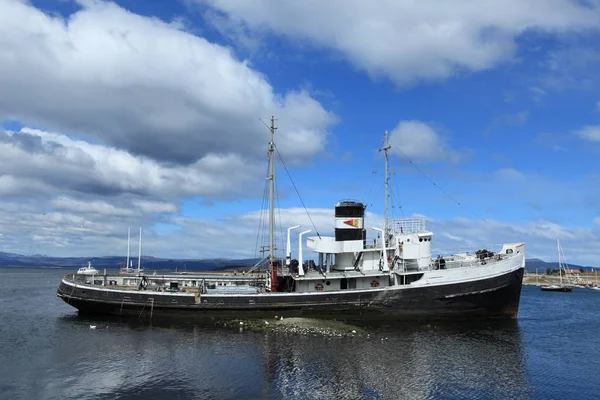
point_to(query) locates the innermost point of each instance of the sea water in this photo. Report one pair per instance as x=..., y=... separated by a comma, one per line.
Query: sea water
x=48, y=352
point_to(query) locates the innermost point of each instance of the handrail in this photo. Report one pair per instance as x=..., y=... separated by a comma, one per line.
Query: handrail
x=468, y=250
x=408, y=225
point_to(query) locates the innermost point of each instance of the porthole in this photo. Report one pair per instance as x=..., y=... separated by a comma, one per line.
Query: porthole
x=420, y=239
x=328, y=283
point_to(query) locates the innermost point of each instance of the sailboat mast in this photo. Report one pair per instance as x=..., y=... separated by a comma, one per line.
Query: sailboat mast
x=272, y=192
x=386, y=147
x=140, y=251
x=559, y=262
x=128, y=237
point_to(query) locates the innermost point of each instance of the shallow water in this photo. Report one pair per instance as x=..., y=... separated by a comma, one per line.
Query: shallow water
x=48, y=352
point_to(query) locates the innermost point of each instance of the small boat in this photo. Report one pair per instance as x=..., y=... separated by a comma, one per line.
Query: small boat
x=595, y=286
x=394, y=276
x=561, y=265
x=87, y=270
x=556, y=288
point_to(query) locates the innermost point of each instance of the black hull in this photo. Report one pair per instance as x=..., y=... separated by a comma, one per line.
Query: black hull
x=496, y=297
x=563, y=289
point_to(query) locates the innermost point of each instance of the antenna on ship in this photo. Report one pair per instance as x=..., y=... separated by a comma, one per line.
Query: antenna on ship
x=386, y=147
x=271, y=178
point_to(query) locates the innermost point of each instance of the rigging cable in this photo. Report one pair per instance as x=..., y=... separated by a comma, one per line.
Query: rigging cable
x=370, y=188
x=435, y=184
x=397, y=187
x=297, y=192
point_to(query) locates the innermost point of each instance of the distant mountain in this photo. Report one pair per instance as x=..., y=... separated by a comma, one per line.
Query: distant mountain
x=4, y=255
x=531, y=264
x=148, y=262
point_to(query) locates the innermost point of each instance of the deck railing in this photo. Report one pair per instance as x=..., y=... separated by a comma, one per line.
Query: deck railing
x=466, y=250
x=408, y=225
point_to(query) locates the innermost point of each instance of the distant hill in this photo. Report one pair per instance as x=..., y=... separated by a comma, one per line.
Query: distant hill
x=148, y=262
x=531, y=264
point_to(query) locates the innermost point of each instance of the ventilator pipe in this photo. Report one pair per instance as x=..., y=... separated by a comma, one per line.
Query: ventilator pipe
x=386, y=267
x=288, y=251
x=300, y=260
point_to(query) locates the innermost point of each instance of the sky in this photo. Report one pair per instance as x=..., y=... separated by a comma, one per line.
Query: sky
x=127, y=113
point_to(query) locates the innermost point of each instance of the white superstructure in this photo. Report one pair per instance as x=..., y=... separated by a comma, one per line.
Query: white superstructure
x=87, y=270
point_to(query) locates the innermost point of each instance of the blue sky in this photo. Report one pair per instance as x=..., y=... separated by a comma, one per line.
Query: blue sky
x=129, y=113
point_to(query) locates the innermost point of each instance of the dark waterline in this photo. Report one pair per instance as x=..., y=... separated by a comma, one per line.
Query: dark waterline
x=48, y=352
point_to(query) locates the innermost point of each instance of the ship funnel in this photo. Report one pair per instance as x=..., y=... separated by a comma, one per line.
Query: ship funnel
x=349, y=221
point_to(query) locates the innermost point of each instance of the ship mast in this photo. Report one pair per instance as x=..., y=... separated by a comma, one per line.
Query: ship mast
x=386, y=147
x=272, y=192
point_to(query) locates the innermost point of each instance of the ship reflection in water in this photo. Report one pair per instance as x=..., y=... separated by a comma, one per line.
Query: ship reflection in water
x=430, y=361
x=484, y=360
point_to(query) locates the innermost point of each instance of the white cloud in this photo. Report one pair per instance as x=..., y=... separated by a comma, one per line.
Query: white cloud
x=94, y=207
x=407, y=40
x=136, y=117
x=420, y=142
x=62, y=196
x=597, y=222
x=59, y=163
x=143, y=85
x=590, y=132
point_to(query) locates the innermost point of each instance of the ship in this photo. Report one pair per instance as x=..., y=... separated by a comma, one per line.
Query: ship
x=393, y=277
x=88, y=270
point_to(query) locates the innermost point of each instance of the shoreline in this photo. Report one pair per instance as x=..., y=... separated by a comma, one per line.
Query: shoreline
x=543, y=279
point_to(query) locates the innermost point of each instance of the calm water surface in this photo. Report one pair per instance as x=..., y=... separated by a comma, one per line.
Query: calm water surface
x=48, y=352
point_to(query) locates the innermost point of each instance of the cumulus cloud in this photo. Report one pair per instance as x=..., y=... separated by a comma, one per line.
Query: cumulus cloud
x=407, y=40
x=144, y=85
x=136, y=116
x=419, y=141
x=58, y=163
x=590, y=132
